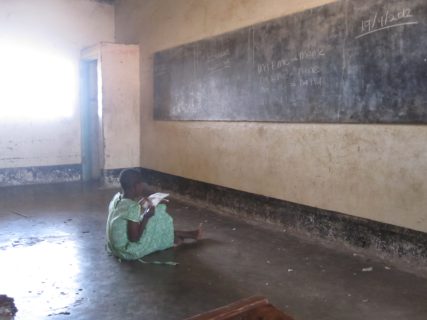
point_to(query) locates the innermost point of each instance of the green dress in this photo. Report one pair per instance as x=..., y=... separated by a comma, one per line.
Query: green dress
x=158, y=233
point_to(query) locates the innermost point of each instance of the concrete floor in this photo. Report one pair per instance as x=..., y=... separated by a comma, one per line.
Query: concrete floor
x=52, y=261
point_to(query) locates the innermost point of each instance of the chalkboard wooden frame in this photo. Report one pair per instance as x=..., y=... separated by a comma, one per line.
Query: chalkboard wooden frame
x=351, y=61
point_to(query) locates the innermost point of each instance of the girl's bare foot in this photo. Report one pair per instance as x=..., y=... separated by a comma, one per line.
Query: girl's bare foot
x=178, y=241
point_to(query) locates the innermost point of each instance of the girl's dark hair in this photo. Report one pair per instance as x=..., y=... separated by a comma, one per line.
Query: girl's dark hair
x=129, y=178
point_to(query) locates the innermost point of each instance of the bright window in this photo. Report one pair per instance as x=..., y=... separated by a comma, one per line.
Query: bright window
x=35, y=84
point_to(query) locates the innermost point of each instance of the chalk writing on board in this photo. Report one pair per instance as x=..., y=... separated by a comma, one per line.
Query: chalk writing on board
x=308, y=70
x=218, y=61
x=275, y=65
x=291, y=80
x=311, y=54
x=311, y=82
x=300, y=69
x=387, y=20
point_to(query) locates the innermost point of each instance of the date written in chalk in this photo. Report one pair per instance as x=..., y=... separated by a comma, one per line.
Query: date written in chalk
x=389, y=19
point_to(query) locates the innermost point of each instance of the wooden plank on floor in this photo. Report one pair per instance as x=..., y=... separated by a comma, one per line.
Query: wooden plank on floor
x=256, y=308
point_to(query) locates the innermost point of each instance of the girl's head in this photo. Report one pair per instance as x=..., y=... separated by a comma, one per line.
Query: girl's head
x=131, y=183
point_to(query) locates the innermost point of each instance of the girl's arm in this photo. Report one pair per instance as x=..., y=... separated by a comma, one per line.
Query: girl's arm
x=136, y=229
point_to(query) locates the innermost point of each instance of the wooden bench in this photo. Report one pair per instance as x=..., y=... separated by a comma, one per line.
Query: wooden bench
x=253, y=308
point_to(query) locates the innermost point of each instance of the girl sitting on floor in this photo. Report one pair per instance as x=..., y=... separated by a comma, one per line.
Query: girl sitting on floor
x=131, y=235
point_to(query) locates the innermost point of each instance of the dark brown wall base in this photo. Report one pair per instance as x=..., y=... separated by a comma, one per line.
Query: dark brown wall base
x=40, y=175
x=110, y=177
x=389, y=240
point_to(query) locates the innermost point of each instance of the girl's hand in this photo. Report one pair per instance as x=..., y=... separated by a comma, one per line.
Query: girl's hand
x=145, y=202
x=148, y=213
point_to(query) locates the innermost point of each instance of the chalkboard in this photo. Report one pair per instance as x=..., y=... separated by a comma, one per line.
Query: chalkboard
x=351, y=61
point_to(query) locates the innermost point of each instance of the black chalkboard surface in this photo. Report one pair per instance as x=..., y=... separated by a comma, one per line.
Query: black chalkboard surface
x=351, y=61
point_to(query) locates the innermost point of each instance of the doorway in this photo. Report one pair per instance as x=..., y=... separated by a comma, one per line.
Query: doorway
x=91, y=122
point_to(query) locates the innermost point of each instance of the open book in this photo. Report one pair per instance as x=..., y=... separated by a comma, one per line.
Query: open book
x=153, y=200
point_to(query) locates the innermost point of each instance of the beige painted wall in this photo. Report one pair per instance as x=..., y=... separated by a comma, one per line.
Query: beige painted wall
x=120, y=101
x=64, y=27
x=371, y=171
